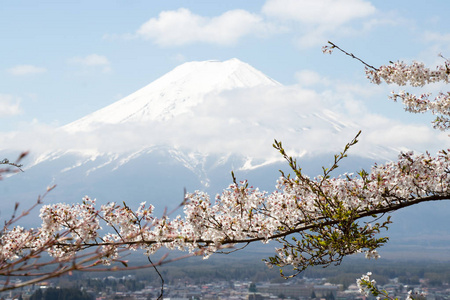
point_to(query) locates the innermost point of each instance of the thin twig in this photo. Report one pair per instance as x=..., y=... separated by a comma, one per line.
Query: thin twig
x=352, y=56
x=160, y=276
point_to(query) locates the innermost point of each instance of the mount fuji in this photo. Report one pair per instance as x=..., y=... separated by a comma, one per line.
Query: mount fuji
x=183, y=130
x=188, y=130
x=174, y=93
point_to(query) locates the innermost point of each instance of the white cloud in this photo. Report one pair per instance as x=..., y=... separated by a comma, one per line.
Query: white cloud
x=437, y=43
x=437, y=37
x=312, y=22
x=245, y=121
x=388, y=19
x=9, y=105
x=327, y=13
x=180, y=27
x=21, y=70
x=317, y=21
x=92, y=61
x=307, y=78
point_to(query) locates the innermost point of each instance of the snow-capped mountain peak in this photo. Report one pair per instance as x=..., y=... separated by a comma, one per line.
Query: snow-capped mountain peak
x=175, y=92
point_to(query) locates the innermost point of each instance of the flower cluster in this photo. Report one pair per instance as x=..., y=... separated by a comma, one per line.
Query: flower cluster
x=366, y=285
x=328, y=49
x=417, y=75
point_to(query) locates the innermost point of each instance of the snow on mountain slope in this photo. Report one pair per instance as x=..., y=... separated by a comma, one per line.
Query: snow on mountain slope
x=219, y=108
x=175, y=92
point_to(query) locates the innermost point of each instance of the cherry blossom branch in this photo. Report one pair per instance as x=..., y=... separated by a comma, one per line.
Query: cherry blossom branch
x=315, y=220
x=416, y=75
x=320, y=214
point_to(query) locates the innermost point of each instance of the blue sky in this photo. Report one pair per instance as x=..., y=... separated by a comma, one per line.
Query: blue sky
x=64, y=59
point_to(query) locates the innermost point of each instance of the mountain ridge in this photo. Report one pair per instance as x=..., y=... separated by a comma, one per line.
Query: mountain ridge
x=175, y=92
x=177, y=95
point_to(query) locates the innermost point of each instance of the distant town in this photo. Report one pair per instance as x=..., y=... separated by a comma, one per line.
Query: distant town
x=244, y=280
